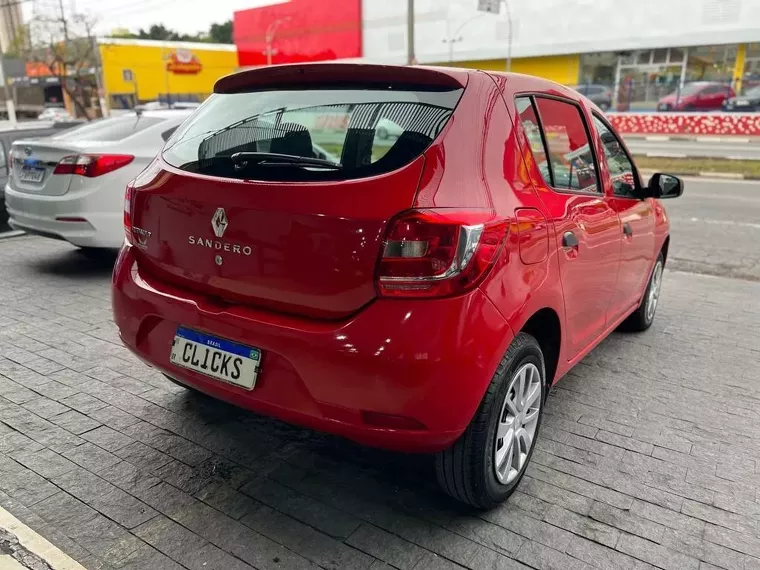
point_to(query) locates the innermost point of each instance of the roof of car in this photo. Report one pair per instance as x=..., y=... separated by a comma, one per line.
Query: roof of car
x=160, y=113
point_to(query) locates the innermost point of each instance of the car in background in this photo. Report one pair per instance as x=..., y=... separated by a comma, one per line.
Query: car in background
x=600, y=95
x=424, y=298
x=697, y=96
x=7, y=137
x=71, y=186
x=54, y=114
x=746, y=103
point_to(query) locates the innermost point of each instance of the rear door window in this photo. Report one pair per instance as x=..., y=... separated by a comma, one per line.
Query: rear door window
x=357, y=132
x=566, y=160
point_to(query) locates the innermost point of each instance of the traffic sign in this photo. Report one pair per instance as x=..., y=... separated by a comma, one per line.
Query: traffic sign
x=490, y=6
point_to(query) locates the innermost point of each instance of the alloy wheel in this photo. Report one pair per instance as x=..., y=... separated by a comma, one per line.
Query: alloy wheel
x=654, y=291
x=516, y=429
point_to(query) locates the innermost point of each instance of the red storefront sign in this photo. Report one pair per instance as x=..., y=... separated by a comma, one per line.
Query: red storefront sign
x=183, y=62
x=298, y=31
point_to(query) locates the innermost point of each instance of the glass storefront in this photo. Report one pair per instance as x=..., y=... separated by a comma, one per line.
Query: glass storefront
x=642, y=78
x=751, y=76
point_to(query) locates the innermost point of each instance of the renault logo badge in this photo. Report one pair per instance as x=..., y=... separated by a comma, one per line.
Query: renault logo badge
x=219, y=222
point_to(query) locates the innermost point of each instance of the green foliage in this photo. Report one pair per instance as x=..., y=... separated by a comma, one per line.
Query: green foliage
x=218, y=33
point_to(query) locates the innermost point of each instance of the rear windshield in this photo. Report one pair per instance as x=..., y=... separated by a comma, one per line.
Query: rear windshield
x=109, y=130
x=362, y=132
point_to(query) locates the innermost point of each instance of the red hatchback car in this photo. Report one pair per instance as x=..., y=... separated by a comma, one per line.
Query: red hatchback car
x=420, y=292
x=697, y=96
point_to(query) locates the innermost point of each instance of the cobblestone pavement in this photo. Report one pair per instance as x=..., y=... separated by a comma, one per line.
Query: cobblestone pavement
x=648, y=457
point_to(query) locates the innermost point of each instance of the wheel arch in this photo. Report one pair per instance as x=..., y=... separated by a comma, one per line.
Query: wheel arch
x=664, y=249
x=545, y=326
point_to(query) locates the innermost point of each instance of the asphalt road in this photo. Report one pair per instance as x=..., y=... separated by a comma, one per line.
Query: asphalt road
x=715, y=149
x=716, y=228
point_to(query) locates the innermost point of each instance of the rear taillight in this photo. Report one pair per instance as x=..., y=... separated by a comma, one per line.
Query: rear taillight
x=128, y=195
x=92, y=165
x=438, y=253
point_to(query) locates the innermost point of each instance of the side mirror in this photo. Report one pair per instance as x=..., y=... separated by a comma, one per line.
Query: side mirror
x=663, y=186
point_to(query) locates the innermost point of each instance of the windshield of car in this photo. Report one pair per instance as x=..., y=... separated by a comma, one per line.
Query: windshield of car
x=109, y=130
x=754, y=92
x=366, y=131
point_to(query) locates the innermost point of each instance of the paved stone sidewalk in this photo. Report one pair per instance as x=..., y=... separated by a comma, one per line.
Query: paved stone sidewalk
x=648, y=456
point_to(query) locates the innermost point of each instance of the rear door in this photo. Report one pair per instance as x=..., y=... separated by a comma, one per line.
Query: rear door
x=637, y=220
x=298, y=238
x=587, y=229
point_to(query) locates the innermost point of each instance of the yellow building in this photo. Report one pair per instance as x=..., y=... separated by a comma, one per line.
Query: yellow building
x=148, y=70
x=560, y=68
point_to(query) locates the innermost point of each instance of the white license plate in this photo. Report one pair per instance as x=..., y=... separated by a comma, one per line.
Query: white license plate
x=216, y=357
x=29, y=174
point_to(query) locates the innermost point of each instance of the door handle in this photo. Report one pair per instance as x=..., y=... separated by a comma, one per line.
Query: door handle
x=569, y=240
x=627, y=230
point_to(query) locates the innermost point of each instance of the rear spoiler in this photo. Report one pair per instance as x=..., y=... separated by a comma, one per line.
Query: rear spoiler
x=299, y=75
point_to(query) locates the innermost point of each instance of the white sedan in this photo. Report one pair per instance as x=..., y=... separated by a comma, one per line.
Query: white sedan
x=71, y=186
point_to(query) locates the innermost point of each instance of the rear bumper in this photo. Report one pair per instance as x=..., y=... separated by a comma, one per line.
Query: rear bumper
x=38, y=215
x=425, y=360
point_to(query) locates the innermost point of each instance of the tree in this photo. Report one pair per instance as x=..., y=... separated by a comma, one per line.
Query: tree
x=218, y=33
x=65, y=44
x=221, y=33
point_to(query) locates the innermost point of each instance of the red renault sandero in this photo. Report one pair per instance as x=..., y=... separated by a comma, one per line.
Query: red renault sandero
x=419, y=291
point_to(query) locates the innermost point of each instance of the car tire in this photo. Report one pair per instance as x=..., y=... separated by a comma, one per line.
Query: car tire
x=604, y=106
x=643, y=317
x=479, y=469
x=382, y=133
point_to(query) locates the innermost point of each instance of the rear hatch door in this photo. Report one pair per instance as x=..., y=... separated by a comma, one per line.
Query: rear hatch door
x=267, y=229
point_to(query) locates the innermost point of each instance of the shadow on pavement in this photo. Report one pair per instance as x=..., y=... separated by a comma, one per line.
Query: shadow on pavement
x=77, y=263
x=396, y=473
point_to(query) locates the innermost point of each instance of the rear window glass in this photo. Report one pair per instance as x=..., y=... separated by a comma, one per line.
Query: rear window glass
x=352, y=132
x=109, y=130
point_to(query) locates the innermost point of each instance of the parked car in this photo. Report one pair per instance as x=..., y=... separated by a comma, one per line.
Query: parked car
x=750, y=101
x=7, y=137
x=697, y=96
x=422, y=299
x=70, y=186
x=601, y=95
x=54, y=114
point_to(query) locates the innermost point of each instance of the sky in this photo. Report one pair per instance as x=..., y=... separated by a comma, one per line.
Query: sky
x=186, y=16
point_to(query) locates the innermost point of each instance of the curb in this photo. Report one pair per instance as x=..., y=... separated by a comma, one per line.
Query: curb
x=693, y=138
x=693, y=156
x=713, y=175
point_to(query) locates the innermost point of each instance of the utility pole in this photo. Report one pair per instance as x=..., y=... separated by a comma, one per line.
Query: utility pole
x=509, y=41
x=410, y=58
x=10, y=107
x=98, y=77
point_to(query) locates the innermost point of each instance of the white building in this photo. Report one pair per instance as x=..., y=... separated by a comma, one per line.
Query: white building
x=652, y=46
x=11, y=21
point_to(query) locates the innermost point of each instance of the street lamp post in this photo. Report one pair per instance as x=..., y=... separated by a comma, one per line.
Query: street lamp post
x=410, y=56
x=269, y=37
x=494, y=7
x=451, y=39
